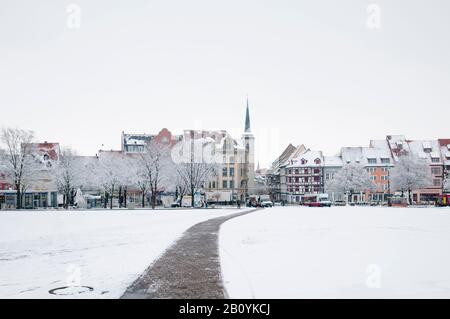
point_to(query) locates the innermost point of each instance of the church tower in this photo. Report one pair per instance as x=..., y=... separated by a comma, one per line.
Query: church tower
x=248, y=140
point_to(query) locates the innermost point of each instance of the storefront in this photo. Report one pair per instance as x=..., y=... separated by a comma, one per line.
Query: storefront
x=31, y=200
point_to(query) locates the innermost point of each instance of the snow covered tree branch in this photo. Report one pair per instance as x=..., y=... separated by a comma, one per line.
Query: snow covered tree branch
x=69, y=174
x=17, y=161
x=410, y=173
x=352, y=178
x=195, y=164
x=153, y=170
x=110, y=172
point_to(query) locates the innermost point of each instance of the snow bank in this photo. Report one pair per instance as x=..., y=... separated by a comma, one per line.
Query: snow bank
x=106, y=250
x=339, y=252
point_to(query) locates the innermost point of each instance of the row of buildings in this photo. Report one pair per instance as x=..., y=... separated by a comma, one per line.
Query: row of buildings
x=234, y=178
x=300, y=172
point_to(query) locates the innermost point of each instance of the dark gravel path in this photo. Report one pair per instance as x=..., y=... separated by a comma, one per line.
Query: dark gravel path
x=188, y=269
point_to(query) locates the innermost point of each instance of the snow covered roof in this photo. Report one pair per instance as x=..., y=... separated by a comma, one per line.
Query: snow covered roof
x=332, y=161
x=426, y=149
x=135, y=141
x=367, y=156
x=380, y=144
x=219, y=138
x=307, y=159
x=352, y=155
x=444, y=144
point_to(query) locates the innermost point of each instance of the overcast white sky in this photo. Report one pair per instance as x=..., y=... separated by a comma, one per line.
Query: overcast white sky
x=314, y=72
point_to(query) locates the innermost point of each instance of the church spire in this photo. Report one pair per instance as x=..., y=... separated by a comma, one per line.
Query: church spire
x=247, y=119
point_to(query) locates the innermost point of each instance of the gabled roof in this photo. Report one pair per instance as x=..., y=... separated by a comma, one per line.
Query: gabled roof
x=307, y=159
x=426, y=149
x=332, y=161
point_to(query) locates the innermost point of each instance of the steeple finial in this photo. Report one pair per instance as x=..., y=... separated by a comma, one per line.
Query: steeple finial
x=247, y=119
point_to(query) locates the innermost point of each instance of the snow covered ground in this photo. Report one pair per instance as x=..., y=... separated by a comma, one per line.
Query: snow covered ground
x=338, y=252
x=105, y=250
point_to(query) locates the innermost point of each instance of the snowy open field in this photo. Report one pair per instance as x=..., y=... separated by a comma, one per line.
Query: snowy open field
x=338, y=252
x=106, y=250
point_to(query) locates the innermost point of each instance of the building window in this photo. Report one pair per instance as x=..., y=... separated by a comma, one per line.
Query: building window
x=231, y=171
x=373, y=177
x=224, y=184
x=317, y=161
x=372, y=160
x=436, y=170
x=224, y=171
x=385, y=161
x=435, y=160
x=231, y=184
x=437, y=182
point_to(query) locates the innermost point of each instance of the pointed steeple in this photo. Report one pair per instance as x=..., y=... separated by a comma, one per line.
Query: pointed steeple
x=247, y=119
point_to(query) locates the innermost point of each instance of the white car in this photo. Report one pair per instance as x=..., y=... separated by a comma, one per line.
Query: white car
x=266, y=203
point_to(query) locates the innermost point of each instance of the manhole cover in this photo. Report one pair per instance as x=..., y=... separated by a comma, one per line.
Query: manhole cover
x=70, y=290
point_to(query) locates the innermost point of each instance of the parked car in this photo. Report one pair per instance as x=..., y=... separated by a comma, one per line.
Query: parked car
x=320, y=200
x=339, y=203
x=396, y=201
x=266, y=203
x=175, y=204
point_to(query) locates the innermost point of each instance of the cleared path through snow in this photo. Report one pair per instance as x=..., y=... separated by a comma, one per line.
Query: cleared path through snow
x=188, y=269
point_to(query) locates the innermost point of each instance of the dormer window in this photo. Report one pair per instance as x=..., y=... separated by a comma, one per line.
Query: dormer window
x=46, y=157
x=435, y=159
x=304, y=161
x=385, y=161
x=372, y=160
x=317, y=161
x=427, y=150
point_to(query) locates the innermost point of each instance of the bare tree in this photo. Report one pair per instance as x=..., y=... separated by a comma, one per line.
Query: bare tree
x=110, y=172
x=410, y=173
x=69, y=174
x=195, y=164
x=139, y=178
x=17, y=161
x=154, y=165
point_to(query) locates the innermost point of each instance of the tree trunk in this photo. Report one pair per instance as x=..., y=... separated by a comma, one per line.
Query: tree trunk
x=105, y=202
x=153, y=200
x=19, y=197
x=125, y=197
x=143, y=199
x=111, y=199
x=66, y=201
x=192, y=196
x=409, y=197
x=120, y=196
